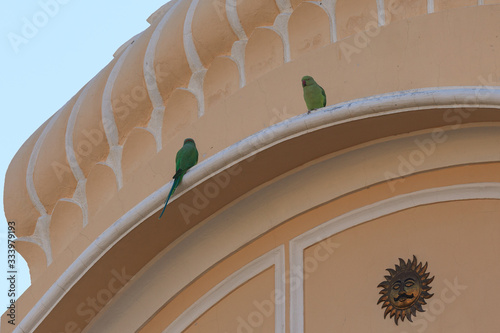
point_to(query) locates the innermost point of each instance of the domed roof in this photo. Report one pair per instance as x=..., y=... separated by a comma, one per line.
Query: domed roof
x=218, y=71
x=159, y=84
x=221, y=71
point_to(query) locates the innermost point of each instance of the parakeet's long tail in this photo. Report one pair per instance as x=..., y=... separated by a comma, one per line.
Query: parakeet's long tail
x=174, y=186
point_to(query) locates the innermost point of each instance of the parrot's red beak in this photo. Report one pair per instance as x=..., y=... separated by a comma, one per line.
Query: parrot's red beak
x=303, y=83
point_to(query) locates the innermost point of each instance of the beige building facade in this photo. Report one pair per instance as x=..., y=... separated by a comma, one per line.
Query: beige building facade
x=290, y=222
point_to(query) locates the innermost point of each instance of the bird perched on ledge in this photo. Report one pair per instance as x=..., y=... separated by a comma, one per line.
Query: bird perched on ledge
x=314, y=95
x=186, y=157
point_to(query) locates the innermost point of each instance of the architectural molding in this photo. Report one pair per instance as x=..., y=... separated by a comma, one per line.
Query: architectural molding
x=109, y=123
x=381, y=12
x=365, y=214
x=329, y=6
x=234, y=20
x=274, y=258
x=156, y=121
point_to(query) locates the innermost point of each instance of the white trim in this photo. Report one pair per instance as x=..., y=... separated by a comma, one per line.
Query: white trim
x=41, y=236
x=70, y=128
x=274, y=258
x=430, y=6
x=191, y=53
x=238, y=47
x=156, y=121
x=238, y=56
x=108, y=117
x=329, y=6
x=381, y=12
x=195, y=85
x=285, y=6
x=365, y=214
x=109, y=123
x=280, y=26
x=234, y=20
x=79, y=196
x=373, y=106
x=480, y=2
x=30, y=181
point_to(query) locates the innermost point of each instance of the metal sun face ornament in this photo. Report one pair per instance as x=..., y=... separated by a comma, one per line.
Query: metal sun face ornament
x=405, y=290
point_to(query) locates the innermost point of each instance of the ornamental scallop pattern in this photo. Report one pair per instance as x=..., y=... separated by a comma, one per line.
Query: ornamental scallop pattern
x=92, y=153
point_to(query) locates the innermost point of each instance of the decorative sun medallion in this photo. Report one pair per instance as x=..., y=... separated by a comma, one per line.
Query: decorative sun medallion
x=405, y=290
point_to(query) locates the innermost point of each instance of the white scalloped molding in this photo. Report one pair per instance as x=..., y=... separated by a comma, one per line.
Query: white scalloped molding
x=108, y=120
x=238, y=56
x=196, y=82
x=79, y=197
x=238, y=47
x=365, y=214
x=285, y=6
x=195, y=86
x=192, y=56
x=329, y=6
x=368, y=107
x=41, y=236
x=30, y=182
x=156, y=121
x=280, y=26
x=274, y=258
x=234, y=20
x=381, y=12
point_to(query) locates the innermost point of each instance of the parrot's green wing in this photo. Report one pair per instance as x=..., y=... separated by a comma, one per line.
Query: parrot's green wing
x=314, y=96
x=186, y=157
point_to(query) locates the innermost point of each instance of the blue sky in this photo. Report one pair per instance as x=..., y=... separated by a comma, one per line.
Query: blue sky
x=49, y=50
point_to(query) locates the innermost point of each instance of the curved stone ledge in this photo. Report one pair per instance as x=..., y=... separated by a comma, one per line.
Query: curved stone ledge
x=417, y=110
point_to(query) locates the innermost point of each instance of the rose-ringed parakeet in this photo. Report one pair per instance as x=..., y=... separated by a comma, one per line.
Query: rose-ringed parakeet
x=314, y=95
x=186, y=157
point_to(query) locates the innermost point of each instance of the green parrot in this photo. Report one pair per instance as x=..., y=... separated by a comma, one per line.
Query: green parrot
x=186, y=157
x=314, y=95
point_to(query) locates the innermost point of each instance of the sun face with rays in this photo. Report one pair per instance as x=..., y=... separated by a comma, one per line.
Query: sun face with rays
x=405, y=290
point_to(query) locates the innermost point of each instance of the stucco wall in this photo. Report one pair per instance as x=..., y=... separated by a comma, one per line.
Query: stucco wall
x=220, y=74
